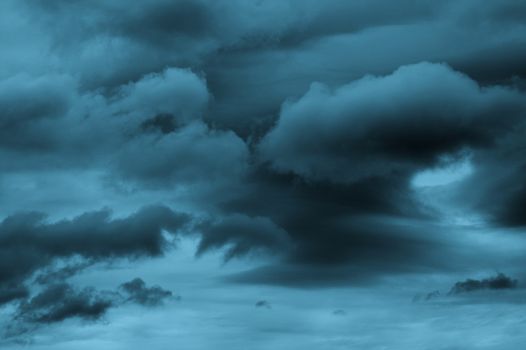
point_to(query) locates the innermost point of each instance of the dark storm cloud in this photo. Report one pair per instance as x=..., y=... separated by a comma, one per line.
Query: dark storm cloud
x=242, y=234
x=137, y=291
x=205, y=35
x=339, y=53
x=175, y=91
x=185, y=150
x=187, y=155
x=334, y=17
x=59, y=302
x=37, y=110
x=100, y=37
x=163, y=21
x=12, y=292
x=217, y=100
x=156, y=120
x=376, y=126
x=501, y=64
x=347, y=158
x=504, y=199
x=160, y=123
x=158, y=22
x=497, y=188
x=501, y=281
x=340, y=233
x=55, y=275
x=30, y=243
x=513, y=212
x=208, y=36
x=29, y=108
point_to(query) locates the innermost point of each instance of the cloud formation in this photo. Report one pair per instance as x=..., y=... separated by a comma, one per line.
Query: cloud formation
x=242, y=234
x=58, y=302
x=30, y=243
x=501, y=281
x=288, y=128
x=378, y=126
x=61, y=301
x=137, y=291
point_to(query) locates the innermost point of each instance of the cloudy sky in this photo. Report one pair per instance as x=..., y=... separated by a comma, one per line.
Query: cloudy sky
x=262, y=174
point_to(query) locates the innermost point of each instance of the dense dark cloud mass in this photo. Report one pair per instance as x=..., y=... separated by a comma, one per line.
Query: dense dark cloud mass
x=286, y=134
x=497, y=188
x=30, y=243
x=376, y=126
x=304, y=156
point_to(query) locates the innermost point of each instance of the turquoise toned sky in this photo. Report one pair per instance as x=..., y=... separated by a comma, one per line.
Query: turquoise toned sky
x=255, y=174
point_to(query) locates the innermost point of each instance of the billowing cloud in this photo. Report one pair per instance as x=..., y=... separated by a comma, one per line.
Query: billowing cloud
x=288, y=132
x=378, y=126
x=175, y=91
x=194, y=154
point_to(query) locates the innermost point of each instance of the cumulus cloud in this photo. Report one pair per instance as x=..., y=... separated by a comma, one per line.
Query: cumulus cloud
x=378, y=126
x=174, y=91
x=193, y=154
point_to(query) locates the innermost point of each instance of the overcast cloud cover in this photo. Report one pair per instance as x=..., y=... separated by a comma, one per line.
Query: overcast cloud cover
x=262, y=174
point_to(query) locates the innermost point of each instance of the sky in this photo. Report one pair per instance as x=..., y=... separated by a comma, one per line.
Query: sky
x=262, y=174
